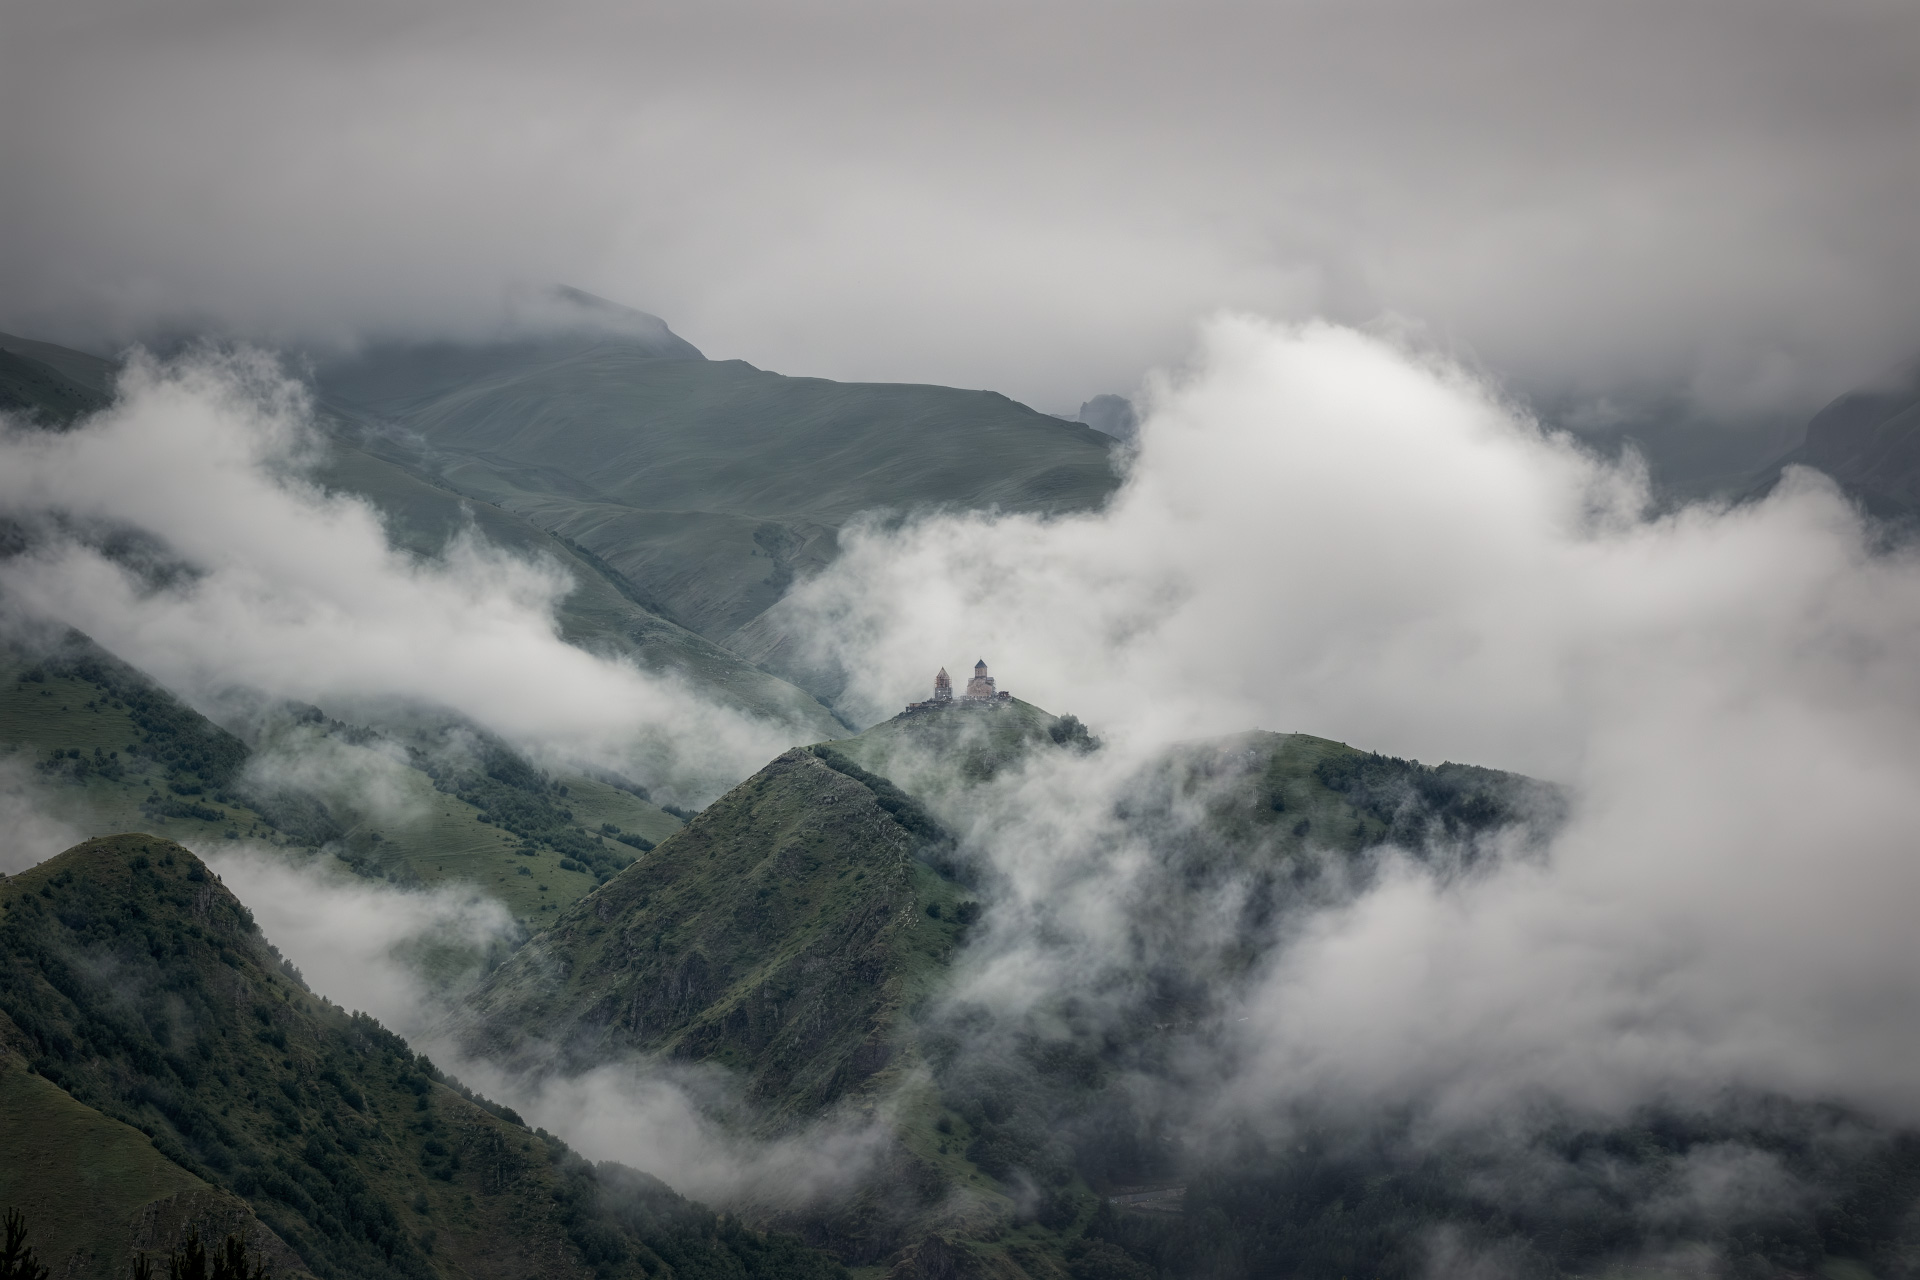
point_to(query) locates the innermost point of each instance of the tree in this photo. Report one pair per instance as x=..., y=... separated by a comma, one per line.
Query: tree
x=190, y=1262
x=231, y=1263
x=16, y=1256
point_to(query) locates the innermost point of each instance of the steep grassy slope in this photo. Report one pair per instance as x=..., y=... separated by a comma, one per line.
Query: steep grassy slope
x=90, y=371
x=706, y=485
x=94, y=1190
x=51, y=385
x=41, y=393
x=781, y=934
x=141, y=988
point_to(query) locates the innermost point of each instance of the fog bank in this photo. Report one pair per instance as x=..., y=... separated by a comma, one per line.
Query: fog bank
x=1327, y=532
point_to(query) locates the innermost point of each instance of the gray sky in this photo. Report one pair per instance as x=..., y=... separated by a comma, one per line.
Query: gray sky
x=1599, y=199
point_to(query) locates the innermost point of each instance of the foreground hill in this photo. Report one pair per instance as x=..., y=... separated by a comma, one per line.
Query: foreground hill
x=95, y=1190
x=134, y=986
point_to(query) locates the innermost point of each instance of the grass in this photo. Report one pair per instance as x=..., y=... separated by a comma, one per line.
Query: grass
x=71, y=1170
x=772, y=935
x=66, y=713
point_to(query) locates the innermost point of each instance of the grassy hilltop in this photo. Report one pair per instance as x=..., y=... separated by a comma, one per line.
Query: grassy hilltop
x=801, y=932
x=143, y=1001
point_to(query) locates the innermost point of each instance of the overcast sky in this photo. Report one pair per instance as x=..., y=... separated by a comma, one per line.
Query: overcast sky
x=1605, y=199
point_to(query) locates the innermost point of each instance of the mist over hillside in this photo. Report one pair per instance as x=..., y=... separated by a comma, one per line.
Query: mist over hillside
x=578, y=699
x=921, y=990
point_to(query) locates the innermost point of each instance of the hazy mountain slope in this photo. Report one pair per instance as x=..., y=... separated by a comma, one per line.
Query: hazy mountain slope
x=52, y=385
x=89, y=371
x=707, y=485
x=142, y=988
x=42, y=393
x=601, y=613
x=1870, y=442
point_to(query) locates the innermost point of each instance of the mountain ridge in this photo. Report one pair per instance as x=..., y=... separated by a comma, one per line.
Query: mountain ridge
x=138, y=985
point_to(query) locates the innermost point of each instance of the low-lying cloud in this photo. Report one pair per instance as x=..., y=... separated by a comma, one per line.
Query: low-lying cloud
x=179, y=530
x=406, y=955
x=1326, y=532
x=394, y=953
x=32, y=831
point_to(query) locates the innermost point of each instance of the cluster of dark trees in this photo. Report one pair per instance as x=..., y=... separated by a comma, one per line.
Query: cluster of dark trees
x=1418, y=803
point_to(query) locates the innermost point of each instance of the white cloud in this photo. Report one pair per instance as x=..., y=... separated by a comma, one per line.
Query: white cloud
x=292, y=592
x=1326, y=533
x=393, y=953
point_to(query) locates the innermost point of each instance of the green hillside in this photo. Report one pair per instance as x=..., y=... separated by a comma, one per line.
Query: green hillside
x=707, y=486
x=52, y=386
x=140, y=987
x=779, y=934
x=107, y=750
x=785, y=934
x=111, y=751
x=801, y=931
x=95, y=1192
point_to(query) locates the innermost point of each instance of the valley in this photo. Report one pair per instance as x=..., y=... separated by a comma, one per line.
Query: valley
x=995, y=968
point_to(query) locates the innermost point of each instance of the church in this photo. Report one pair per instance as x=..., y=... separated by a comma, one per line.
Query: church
x=981, y=692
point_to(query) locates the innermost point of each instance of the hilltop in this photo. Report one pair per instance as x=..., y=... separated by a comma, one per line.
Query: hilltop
x=138, y=999
x=802, y=933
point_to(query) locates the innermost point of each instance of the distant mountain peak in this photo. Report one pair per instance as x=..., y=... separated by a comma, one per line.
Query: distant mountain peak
x=561, y=308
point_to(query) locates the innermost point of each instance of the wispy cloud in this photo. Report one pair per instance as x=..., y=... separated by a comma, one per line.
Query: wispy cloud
x=1326, y=532
x=251, y=580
